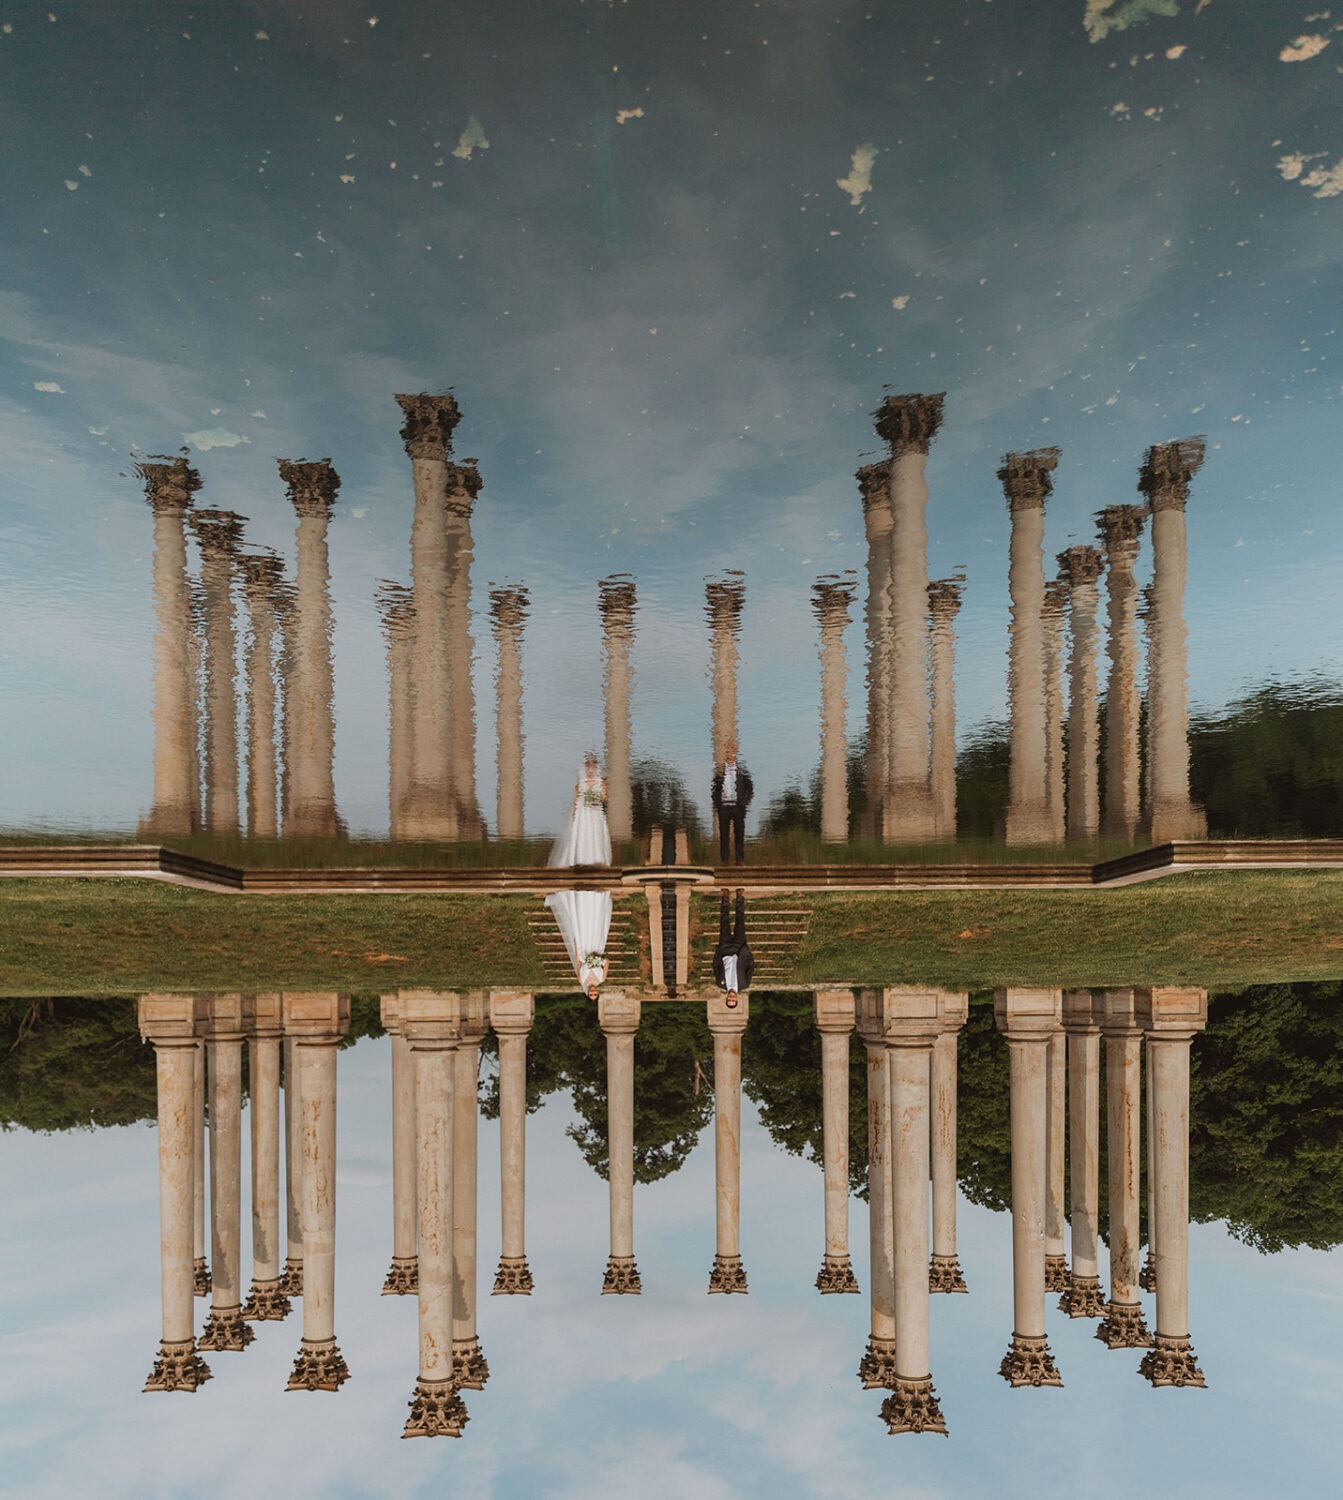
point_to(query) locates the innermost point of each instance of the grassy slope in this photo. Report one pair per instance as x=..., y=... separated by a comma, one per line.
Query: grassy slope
x=97, y=937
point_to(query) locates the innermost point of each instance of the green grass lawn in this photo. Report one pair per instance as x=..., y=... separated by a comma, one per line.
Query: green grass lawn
x=102, y=937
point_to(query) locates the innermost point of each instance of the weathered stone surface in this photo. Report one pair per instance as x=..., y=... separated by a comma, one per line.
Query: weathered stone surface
x=621, y=1278
x=436, y=1410
x=913, y=1407
x=318, y=1367
x=178, y=1368
x=728, y=1274
x=1171, y=1361
x=1029, y=1362
x=513, y=1278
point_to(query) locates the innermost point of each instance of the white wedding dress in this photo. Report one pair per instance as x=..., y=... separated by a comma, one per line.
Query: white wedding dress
x=584, y=917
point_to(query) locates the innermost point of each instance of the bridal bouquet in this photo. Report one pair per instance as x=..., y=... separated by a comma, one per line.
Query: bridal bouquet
x=593, y=960
x=592, y=796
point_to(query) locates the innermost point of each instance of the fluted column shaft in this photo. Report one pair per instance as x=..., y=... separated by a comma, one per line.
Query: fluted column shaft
x=312, y=727
x=726, y=1027
x=435, y=1122
x=513, y=1143
x=1056, y=781
x=293, y=1173
x=618, y=1017
x=463, y=486
x=945, y=601
x=1123, y=1326
x=264, y=1089
x=943, y=1148
x=877, y=523
x=198, y=1170
x=617, y=607
x=225, y=1092
x=221, y=731
x=1121, y=526
x=1056, y=1161
x=832, y=607
x=835, y=1141
x=1172, y=814
x=401, y=1277
x=429, y=813
x=174, y=686
x=881, y=1228
x=471, y=1370
x=1084, y=1052
x=509, y=612
x=262, y=810
x=1083, y=566
x=910, y=1137
x=398, y=615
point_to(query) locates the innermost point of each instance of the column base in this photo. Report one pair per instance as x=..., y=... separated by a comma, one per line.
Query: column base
x=470, y=1370
x=225, y=1329
x=1123, y=1328
x=912, y=1407
x=403, y=1279
x=1029, y=1362
x=291, y=1278
x=513, y=1278
x=318, y=1367
x=622, y=1277
x=1147, y=1276
x=944, y=1274
x=1170, y=1361
x=1169, y=821
x=266, y=1303
x=436, y=1410
x=1083, y=1298
x=908, y=815
x=178, y=1368
x=1029, y=823
x=728, y=1274
x=836, y=1275
x=1056, y=1273
x=876, y=1369
x=200, y=1278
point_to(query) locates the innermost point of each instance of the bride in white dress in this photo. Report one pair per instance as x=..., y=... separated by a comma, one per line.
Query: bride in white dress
x=584, y=917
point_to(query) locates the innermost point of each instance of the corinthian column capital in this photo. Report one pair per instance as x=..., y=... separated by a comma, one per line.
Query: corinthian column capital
x=1167, y=469
x=169, y=483
x=1120, y=526
x=1028, y=478
x=217, y=531
x=1080, y=565
x=312, y=485
x=429, y=423
x=910, y=422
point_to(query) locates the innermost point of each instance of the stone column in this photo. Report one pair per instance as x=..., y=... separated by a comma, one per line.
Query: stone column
x=944, y=1270
x=1056, y=1162
x=873, y=483
x=398, y=623
x=909, y=423
x=511, y=1015
x=835, y=1013
x=727, y=1026
x=1171, y=1018
x=944, y=603
x=291, y=1281
x=1027, y=479
x=1052, y=617
x=429, y=811
x=508, y=614
x=914, y=1021
x=201, y=1269
x=286, y=616
x=723, y=599
x=431, y=1025
x=169, y=487
x=222, y=1027
x=317, y=1022
x=469, y=1368
x=264, y=1022
x=261, y=575
x=1028, y=1018
x=195, y=681
x=1123, y=1326
x=618, y=1017
x=830, y=603
x=876, y=1369
x=616, y=600
x=312, y=795
x=1164, y=479
x=1083, y=1297
x=1120, y=528
x=402, y=1279
x=1083, y=566
x=1147, y=1276
x=463, y=485
x=168, y=1022
x=218, y=533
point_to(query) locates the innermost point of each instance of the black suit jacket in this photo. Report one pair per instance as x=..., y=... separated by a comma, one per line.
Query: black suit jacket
x=745, y=788
x=745, y=964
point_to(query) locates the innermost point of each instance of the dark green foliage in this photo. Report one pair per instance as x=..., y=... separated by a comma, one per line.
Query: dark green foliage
x=981, y=782
x=73, y=1064
x=659, y=798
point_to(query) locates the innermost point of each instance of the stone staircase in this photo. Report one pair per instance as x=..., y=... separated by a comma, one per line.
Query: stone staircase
x=775, y=930
x=622, y=947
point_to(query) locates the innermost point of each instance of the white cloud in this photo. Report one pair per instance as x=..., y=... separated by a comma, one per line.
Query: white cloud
x=901, y=302
x=859, y=181
x=48, y=385
x=622, y=115
x=473, y=138
x=1104, y=16
x=213, y=437
x=1303, y=47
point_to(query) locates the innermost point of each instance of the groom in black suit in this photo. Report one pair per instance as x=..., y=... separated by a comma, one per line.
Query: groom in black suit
x=731, y=794
x=733, y=966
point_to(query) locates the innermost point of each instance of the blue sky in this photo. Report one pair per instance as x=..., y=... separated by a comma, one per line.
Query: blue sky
x=1092, y=225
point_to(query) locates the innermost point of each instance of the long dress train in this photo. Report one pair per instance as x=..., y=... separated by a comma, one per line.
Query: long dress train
x=584, y=917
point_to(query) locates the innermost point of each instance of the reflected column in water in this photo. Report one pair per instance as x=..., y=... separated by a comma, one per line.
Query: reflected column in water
x=169, y=487
x=618, y=1017
x=834, y=1012
x=316, y=1022
x=311, y=810
x=1027, y=479
x=511, y=1015
x=616, y=600
x=874, y=485
x=944, y=603
x=877, y=1366
x=1083, y=1297
x=913, y=1022
x=263, y=1019
x=463, y=485
x=261, y=573
x=1083, y=566
x=508, y=615
x=1171, y=1019
x=1028, y=1018
x=830, y=603
x=431, y=1024
x=401, y=1279
x=168, y=1023
x=1164, y=479
x=1052, y=619
x=944, y=1270
x=469, y=1368
x=223, y=1029
x=723, y=600
x=1120, y=529
x=201, y=1271
x=218, y=533
x=397, y=611
x=909, y=423
x=727, y=1026
x=1123, y=1326
x=1056, y=1162
x=291, y=1282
